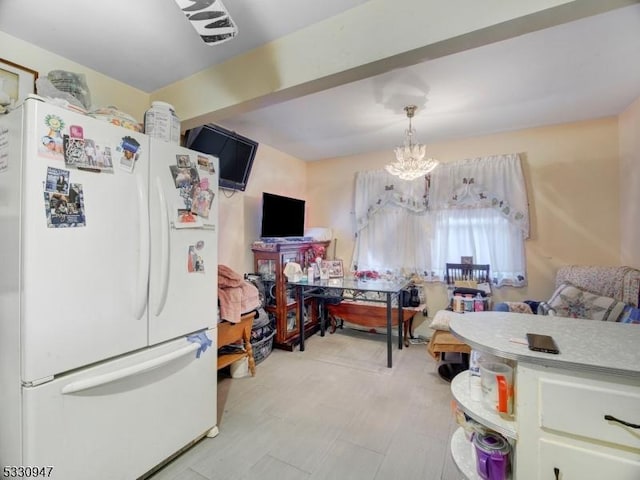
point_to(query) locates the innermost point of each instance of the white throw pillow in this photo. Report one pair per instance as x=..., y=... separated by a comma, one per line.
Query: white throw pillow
x=441, y=319
x=571, y=301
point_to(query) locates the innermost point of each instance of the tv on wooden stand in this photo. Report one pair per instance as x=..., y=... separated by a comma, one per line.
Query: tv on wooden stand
x=282, y=218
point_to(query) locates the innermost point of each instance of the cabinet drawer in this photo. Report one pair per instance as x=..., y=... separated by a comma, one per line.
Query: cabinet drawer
x=577, y=463
x=579, y=409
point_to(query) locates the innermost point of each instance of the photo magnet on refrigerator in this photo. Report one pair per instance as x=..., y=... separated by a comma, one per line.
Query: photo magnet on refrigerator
x=57, y=180
x=183, y=161
x=51, y=143
x=65, y=210
x=186, y=219
x=130, y=149
x=194, y=262
x=74, y=154
x=205, y=163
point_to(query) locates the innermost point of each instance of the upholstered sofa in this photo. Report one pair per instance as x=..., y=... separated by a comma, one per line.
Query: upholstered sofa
x=588, y=291
x=607, y=293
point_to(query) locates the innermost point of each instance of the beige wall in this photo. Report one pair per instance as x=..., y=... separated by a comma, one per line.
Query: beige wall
x=105, y=91
x=240, y=213
x=630, y=185
x=572, y=175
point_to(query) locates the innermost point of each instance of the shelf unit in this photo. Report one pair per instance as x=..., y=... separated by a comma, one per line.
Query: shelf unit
x=269, y=261
x=463, y=455
x=461, y=448
x=476, y=409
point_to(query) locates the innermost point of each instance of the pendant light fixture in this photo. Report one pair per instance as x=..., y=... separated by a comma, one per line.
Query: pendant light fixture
x=411, y=163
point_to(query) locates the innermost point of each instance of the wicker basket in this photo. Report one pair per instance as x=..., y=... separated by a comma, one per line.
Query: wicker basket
x=262, y=349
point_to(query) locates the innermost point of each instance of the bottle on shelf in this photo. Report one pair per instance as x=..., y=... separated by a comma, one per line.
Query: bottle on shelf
x=478, y=303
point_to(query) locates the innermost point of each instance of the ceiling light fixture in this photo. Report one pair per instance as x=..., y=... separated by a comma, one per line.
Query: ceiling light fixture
x=411, y=163
x=210, y=19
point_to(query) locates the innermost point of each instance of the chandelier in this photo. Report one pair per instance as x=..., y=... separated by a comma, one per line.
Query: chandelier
x=411, y=163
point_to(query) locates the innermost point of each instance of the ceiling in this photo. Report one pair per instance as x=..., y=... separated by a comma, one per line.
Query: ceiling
x=579, y=70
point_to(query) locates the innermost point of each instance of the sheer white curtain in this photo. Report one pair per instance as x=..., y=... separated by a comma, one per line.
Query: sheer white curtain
x=392, y=223
x=479, y=208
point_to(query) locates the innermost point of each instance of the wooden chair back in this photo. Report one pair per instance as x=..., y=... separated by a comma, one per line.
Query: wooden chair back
x=467, y=272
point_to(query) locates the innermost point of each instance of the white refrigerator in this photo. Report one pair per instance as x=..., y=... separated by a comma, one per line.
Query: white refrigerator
x=108, y=296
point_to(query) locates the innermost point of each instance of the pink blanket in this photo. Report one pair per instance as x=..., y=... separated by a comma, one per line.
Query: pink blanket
x=235, y=295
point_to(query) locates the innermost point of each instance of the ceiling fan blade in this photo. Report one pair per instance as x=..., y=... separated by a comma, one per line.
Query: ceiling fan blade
x=210, y=19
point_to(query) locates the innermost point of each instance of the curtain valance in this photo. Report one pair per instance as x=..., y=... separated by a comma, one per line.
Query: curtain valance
x=495, y=181
x=377, y=189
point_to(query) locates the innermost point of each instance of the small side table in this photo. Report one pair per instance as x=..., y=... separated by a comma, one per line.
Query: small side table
x=229, y=333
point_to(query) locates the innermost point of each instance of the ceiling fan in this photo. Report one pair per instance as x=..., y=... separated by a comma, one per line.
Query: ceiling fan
x=210, y=19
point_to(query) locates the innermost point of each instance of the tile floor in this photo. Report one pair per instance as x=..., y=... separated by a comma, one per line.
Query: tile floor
x=332, y=412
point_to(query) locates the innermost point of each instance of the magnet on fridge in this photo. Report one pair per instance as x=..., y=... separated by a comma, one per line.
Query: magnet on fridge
x=183, y=161
x=186, y=219
x=130, y=149
x=57, y=180
x=74, y=154
x=51, y=143
x=205, y=163
x=65, y=210
x=195, y=263
x=76, y=131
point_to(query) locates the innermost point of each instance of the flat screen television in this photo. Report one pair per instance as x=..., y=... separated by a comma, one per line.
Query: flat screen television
x=235, y=152
x=281, y=216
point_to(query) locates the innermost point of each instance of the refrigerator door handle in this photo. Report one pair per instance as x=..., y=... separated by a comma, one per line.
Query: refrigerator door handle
x=131, y=371
x=164, y=248
x=144, y=254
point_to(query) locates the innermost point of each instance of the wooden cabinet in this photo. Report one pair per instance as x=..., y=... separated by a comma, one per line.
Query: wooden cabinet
x=269, y=262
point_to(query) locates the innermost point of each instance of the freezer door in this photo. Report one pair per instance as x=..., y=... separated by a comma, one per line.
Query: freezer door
x=122, y=418
x=84, y=278
x=184, y=249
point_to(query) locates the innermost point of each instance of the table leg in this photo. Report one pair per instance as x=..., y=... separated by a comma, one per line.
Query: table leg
x=301, y=316
x=323, y=312
x=400, y=322
x=389, y=353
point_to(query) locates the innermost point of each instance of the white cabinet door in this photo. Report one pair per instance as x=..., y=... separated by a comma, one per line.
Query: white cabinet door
x=84, y=288
x=579, y=463
x=596, y=399
x=120, y=419
x=183, y=288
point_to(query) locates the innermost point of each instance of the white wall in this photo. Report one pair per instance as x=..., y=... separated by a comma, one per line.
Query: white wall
x=629, y=125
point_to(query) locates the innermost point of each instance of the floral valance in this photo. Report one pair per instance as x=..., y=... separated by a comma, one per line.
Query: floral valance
x=496, y=182
x=377, y=189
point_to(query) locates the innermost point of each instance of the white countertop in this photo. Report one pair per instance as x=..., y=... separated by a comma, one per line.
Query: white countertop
x=585, y=345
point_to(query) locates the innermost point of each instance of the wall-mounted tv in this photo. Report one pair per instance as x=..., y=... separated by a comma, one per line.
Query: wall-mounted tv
x=282, y=216
x=236, y=153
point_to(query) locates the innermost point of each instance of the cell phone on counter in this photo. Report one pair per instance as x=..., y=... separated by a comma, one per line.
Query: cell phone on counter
x=542, y=343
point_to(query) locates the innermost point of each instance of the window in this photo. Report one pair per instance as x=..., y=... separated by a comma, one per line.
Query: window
x=392, y=224
x=475, y=207
x=479, y=209
x=483, y=234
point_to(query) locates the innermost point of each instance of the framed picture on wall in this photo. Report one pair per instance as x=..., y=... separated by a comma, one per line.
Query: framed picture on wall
x=466, y=260
x=335, y=268
x=16, y=82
